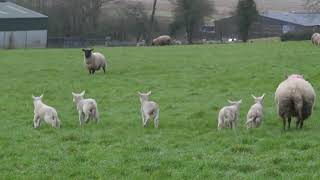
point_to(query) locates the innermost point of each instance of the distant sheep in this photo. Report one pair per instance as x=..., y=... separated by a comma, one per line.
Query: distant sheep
x=87, y=108
x=229, y=115
x=45, y=112
x=162, y=41
x=94, y=61
x=149, y=109
x=141, y=43
x=295, y=97
x=315, y=39
x=176, y=42
x=255, y=114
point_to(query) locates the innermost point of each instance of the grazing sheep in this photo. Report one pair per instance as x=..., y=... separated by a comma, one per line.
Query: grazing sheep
x=295, y=97
x=45, y=112
x=229, y=115
x=162, y=41
x=149, y=109
x=255, y=114
x=87, y=108
x=315, y=39
x=94, y=61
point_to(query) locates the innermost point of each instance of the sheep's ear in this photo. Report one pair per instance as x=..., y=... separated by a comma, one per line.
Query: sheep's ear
x=240, y=101
x=33, y=96
x=41, y=96
x=139, y=93
x=91, y=49
x=262, y=97
x=231, y=102
x=83, y=92
x=148, y=93
x=83, y=50
x=253, y=96
x=73, y=94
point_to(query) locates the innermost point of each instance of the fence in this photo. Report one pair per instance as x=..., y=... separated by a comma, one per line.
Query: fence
x=77, y=42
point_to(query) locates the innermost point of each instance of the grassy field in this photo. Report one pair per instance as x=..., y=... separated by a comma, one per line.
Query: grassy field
x=190, y=83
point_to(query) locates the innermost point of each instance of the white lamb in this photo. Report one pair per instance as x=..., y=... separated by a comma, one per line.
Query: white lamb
x=255, y=114
x=149, y=109
x=45, y=112
x=94, y=61
x=87, y=108
x=229, y=115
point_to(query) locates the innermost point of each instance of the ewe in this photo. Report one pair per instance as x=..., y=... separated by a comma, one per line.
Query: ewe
x=94, y=61
x=229, y=115
x=148, y=109
x=45, y=112
x=87, y=108
x=162, y=40
x=255, y=114
x=295, y=97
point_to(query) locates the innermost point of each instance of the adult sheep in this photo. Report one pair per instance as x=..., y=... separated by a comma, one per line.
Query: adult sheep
x=162, y=41
x=295, y=97
x=94, y=61
x=315, y=39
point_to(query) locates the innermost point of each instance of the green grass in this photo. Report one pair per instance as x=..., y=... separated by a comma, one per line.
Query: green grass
x=190, y=83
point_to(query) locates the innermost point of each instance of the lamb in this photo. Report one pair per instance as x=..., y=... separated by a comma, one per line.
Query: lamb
x=45, y=112
x=176, y=42
x=315, y=39
x=141, y=43
x=229, y=115
x=162, y=40
x=295, y=97
x=255, y=114
x=87, y=108
x=94, y=61
x=148, y=109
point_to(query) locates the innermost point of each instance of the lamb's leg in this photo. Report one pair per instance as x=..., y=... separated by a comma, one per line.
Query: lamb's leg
x=36, y=121
x=147, y=117
x=81, y=118
x=142, y=116
x=86, y=118
x=156, y=119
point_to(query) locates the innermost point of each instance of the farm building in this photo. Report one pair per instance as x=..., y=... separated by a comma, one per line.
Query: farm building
x=21, y=27
x=270, y=24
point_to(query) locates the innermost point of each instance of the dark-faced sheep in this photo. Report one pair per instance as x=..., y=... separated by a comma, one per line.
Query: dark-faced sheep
x=94, y=61
x=162, y=41
x=295, y=97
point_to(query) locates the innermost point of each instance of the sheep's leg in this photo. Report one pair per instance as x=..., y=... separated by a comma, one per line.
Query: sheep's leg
x=81, y=118
x=284, y=123
x=104, y=69
x=289, y=121
x=156, y=119
x=142, y=116
x=36, y=121
x=301, y=124
x=93, y=71
x=147, y=117
x=86, y=118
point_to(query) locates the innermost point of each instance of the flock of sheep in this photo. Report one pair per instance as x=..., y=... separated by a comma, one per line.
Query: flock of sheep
x=295, y=97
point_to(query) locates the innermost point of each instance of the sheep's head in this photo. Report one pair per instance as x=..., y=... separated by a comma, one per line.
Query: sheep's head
x=295, y=76
x=258, y=99
x=87, y=52
x=144, y=96
x=78, y=97
x=237, y=103
x=37, y=98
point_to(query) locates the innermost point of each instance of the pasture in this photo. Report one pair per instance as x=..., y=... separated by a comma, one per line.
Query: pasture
x=190, y=83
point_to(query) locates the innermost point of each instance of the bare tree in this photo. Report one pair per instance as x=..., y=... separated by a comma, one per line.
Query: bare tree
x=154, y=7
x=312, y=5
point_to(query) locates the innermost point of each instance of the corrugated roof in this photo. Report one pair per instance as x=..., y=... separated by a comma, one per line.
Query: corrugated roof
x=305, y=19
x=11, y=10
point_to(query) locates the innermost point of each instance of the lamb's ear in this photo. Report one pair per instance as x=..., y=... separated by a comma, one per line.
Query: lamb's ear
x=262, y=97
x=240, y=101
x=139, y=93
x=33, y=96
x=83, y=92
x=73, y=94
x=148, y=93
x=231, y=102
x=41, y=96
x=253, y=96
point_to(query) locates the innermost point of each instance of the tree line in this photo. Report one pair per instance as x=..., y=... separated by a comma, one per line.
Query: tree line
x=121, y=20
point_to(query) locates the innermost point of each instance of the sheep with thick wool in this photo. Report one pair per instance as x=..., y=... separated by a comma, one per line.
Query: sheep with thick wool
x=315, y=39
x=87, y=108
x=149, y=109
x=94, y=61
x=255, y=113
x=229, y=115
x=295, y=97
x=162, y=41
x=45, y=112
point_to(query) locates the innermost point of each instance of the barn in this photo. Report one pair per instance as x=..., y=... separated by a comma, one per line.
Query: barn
x=270, y=24
x=21, y=27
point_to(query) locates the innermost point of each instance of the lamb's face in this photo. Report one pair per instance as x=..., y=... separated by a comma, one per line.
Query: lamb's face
x=87, y=52
x=237, y=103
x=144, y=96
x=258, y=99
x=77, y=97
x=37, y=99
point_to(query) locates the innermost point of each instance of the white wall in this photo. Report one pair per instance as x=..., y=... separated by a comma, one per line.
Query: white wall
x=23, y=39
